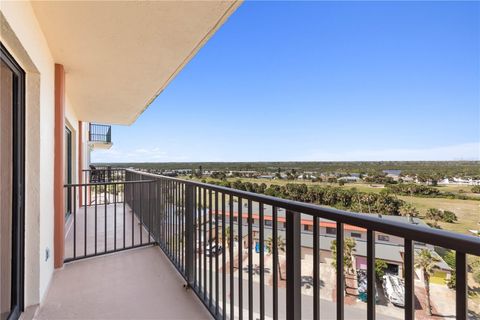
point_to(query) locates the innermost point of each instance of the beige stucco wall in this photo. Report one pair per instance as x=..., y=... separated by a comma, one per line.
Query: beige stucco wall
x=23, y=38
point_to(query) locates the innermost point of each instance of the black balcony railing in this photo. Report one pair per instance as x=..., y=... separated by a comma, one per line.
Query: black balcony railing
x=100, y=133
x=208, y=232
x=103, y=174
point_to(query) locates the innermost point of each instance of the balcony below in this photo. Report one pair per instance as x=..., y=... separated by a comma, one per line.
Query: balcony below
x=135, y=284
x=100, y=136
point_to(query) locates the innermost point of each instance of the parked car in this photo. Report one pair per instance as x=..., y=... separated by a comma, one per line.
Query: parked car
x=394, y=288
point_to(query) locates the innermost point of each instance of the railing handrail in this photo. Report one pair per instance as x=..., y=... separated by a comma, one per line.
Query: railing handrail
x=446, y=239
x=105, y=183
x=103, y=169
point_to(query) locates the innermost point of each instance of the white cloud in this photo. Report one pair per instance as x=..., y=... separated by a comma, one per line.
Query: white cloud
x=466, y=151
x=139, y=155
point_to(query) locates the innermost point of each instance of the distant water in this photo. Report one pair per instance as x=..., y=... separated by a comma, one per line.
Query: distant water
x=394, y=172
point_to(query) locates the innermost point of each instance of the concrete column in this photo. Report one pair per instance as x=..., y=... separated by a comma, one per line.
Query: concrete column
x=59, y=179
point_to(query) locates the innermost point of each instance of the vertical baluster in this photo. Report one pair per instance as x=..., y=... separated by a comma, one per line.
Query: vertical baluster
x=190, y=234
x=262, y=260
x=201, y=239
x=250, y=261
x=409, y=281
x=174, y=221
x=124, y=220
x=133, y=212
x=74, y=222
x=96, y=217
x=85, y=217
x=231, y=258
x=224, y=262
x=340, y=272
x=184, y=210
x=170, y=218
x=149, y=200
x=115, y=217
x=210, y=266
x=140, y=211
x=240, y=259
x=197, y=234
x=294, y=278
x=205, y=240
x=217, y=252
x=177, y=217
x=275, y=263
x=178, y=224
x=105, y=215
x=461, y=285
x=165, y=215
x=171, y=224
x=371, y=275
x=316, y=271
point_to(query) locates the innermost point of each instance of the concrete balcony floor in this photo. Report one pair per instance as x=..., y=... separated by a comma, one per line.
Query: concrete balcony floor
x=105, y=230
x=134, y=284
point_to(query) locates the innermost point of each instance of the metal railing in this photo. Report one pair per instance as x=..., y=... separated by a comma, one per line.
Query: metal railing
x=208, y=232
x=99, y=221
x=103, y=174
x=100, y=133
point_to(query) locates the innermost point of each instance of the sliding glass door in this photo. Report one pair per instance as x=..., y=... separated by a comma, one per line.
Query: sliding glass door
x=12, y=149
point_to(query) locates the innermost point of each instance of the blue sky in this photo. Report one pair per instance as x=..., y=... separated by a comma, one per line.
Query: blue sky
x=318, y=81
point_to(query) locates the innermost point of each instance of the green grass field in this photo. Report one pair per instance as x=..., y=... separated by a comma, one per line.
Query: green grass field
x=467, y=211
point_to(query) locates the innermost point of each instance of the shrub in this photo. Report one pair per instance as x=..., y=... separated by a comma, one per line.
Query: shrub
x=380, y=266
x=476, y=189
x=408, y=210
x=449, y=216
x=433, y=214
x=476, y=276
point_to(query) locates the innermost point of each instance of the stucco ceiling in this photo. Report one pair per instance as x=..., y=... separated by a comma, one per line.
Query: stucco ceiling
x=119, y=55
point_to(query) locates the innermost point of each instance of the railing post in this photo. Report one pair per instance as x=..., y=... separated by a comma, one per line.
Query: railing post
x=461, y=286
x=189, y=233
x=409, y=280
x=294, y=278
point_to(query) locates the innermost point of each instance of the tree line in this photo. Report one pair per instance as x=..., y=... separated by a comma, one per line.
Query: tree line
x=420, y=190
x=382, y=203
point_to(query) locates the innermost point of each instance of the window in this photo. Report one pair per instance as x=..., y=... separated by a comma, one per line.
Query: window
x=356, y=235
x=382, y=237
x=268, y=223
x=306, y=227
x=331, y=230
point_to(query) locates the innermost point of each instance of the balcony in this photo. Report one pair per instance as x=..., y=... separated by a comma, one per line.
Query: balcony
x=100, y=136
x=201, y=251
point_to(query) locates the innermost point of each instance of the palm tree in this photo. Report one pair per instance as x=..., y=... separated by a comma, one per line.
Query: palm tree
x=227, y=237
x=427, y=262
x=435, y=215
x=348, y=250
x=280, y=246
